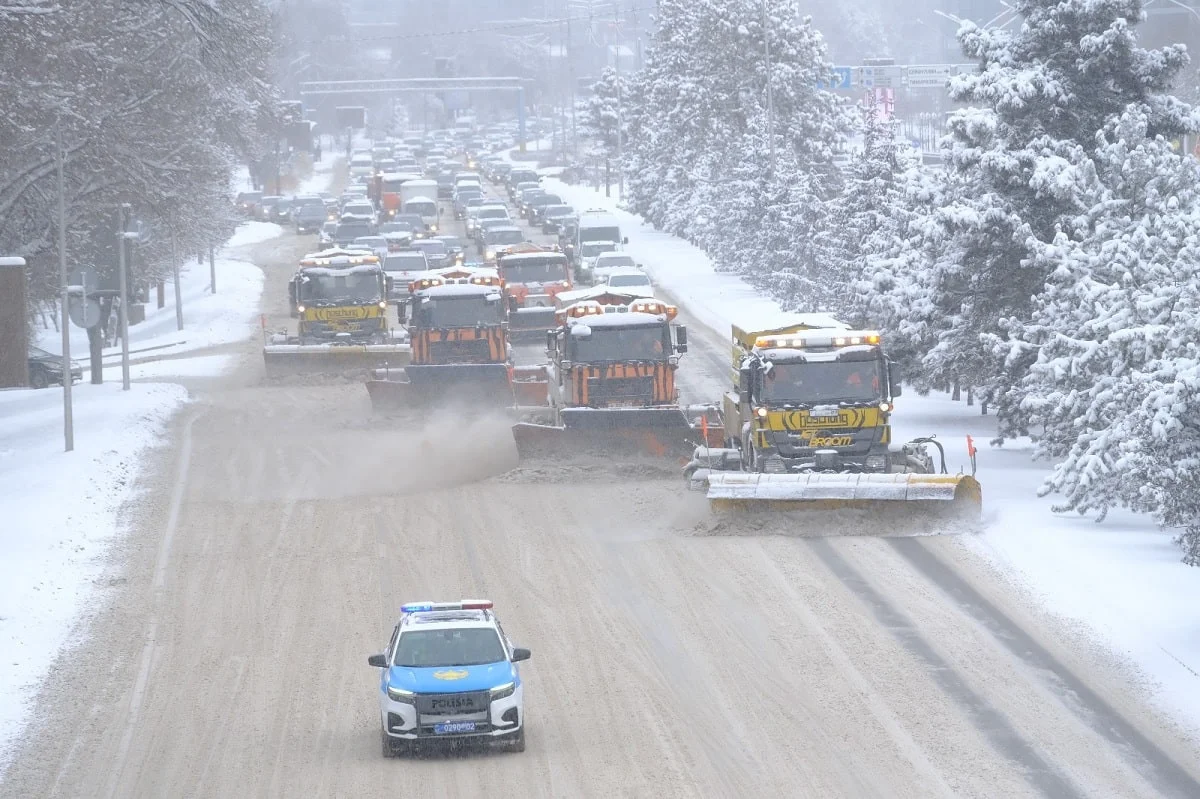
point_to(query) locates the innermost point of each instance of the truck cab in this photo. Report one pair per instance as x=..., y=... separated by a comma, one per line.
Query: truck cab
x=814, y=399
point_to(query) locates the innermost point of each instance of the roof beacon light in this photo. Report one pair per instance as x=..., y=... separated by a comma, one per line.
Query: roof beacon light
x=462, y=604
x=813, y=338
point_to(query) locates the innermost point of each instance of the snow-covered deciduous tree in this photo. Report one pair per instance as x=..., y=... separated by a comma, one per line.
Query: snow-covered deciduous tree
x=153, y=104
x=602, y=121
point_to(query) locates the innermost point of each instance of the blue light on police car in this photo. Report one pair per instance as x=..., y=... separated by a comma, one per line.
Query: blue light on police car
x=416, y=607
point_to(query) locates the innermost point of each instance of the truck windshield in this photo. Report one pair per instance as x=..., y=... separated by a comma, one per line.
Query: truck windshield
x=505, y=237
x=464, y=646
x=460, y=311
x=823, y=383
x=594, y=249
x=356, y=288
x=646, y=343
x=599, y=234
x=422, y=207
x=534, y=271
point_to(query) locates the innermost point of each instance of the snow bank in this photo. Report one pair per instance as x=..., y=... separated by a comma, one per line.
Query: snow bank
x=682, y=269
x=254, y=232
x=209, y=319
x=60, y=513
x=1120, y=581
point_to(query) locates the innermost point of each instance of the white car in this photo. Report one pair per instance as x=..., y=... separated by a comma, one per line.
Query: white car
x=376, y=244
x=606, y=262
x=359, y=209
x=629, y=280
x=449, y=672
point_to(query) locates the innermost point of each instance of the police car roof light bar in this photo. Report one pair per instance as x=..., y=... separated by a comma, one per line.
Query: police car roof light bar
x=464, y=604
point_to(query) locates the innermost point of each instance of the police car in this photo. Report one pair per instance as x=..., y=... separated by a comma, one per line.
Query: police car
x=449, y=673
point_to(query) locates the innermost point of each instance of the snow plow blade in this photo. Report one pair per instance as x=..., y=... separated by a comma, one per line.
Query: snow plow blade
x=476, y=384
x=956, y=495
x=530, y=324
x=291, y=359
x=609, y=432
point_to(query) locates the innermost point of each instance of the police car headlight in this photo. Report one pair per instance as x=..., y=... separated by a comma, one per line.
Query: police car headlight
x=503, y=691
x=400, y=695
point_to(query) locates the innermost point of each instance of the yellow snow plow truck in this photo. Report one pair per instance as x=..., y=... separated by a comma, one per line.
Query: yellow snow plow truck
x=807, y=426
x=339, y=298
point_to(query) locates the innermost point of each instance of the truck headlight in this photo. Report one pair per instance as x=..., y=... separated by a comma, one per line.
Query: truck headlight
x=877, y=463
x=433, y=228
x=503, y=691
x=400, y=695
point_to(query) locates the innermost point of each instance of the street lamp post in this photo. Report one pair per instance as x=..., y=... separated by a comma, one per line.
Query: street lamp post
x=122, y=239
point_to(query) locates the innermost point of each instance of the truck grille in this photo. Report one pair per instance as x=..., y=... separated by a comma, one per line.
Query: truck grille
x=616, y=390
x=470, y=351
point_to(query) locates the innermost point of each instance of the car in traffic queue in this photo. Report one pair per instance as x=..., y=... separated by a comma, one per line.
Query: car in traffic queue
x=500, y=238
x=325, y=236
x=484, y=211
x=456, y=249
x=449, y=673
x=554, y=218
x=309, y=215
x=247, y=202
x=536, y=208
x=482, y=226
x=435, y=251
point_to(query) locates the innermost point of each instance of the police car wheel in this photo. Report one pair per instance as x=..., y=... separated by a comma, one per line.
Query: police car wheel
x=386, y=745
x=518, y=744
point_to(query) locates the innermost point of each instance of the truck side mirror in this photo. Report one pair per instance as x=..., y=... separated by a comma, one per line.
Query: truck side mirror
x=625, y=240
x=895, y=382
x=681, y=339
x=551, y=341
x=745, y=384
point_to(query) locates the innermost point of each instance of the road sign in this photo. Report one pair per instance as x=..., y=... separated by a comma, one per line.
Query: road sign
x=884, y=77
x=84, y=311
x=928, y=76
x=82, y=305
x=842, y=78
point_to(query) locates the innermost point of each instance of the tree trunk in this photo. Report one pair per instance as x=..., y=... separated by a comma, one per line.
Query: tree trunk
x=956, y=392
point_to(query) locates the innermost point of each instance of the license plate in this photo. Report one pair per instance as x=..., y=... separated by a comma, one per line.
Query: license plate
x=824, y=414
x=451, y=727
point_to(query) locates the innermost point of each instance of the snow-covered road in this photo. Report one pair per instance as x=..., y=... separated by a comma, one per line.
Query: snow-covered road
x=675, y=653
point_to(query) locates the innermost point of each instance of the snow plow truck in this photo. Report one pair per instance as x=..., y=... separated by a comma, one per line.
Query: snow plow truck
x=609, y=388
x=459, y=344
x=339, y=299
x=808, y=426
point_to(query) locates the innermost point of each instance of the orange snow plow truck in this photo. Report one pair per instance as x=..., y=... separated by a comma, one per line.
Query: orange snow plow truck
x=459, y=344
x=609, y=388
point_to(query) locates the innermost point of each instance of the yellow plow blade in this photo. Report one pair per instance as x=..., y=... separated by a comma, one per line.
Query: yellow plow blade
x=341, y=359
x=957, y=495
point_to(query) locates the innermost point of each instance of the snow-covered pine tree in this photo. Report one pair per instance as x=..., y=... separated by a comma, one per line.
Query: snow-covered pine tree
x=698, y=154
x=1041, y=96
x=1112, y=390
x=865, y=218
x=600, y=118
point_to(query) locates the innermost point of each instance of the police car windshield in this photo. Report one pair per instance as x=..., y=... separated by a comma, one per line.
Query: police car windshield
x=460, y=646
x=821, y=383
